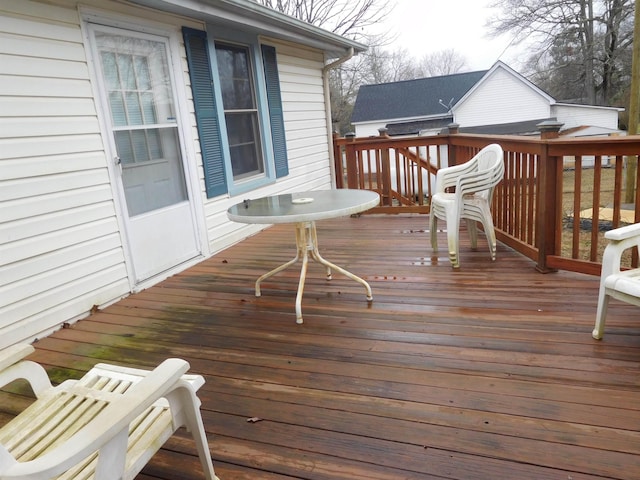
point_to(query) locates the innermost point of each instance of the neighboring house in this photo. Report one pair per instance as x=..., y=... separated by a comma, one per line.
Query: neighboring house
x=494, y=101
x=127, y=128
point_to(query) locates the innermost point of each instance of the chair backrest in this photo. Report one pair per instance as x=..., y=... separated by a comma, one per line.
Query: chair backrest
x=488, y=172
x=490, y=157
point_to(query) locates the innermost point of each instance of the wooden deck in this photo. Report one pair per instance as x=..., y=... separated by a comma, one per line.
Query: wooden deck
x=489, y=372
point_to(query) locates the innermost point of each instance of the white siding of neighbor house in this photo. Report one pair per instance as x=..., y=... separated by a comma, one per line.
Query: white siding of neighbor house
x=579, y=115
x=370, y=129
x=501, y=98
x=61, y=251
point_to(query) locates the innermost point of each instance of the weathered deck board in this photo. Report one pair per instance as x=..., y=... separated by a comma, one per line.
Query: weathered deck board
x=483, y=373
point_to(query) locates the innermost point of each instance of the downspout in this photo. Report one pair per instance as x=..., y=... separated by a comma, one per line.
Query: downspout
x=327, y=106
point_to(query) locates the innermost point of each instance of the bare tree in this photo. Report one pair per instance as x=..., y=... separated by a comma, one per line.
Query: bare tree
x=350, y=18
x=356, y=19
x=444, y=62
x=590, y=36
x=384, y=66
x=377, y=65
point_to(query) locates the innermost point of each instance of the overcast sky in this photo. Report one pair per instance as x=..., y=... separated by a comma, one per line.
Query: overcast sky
x=427, y=26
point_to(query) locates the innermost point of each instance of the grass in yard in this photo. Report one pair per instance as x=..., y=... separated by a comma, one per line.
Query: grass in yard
x=607, y=183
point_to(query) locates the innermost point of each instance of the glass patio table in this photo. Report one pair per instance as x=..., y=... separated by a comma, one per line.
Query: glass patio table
x=303, y=209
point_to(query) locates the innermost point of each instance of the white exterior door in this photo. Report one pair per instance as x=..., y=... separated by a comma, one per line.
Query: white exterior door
x=139, y=104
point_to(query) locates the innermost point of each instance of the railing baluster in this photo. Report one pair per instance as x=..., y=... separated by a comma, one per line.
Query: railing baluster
x=595, y=202
x=576, y=208
x=528, y=208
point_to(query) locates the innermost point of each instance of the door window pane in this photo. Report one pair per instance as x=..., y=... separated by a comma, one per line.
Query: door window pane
x=140, y=97
x=118, y=111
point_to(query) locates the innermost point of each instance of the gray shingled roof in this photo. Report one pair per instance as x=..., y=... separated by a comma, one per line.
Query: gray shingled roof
x=412, y=98
x=527, y=127
x=416, y=126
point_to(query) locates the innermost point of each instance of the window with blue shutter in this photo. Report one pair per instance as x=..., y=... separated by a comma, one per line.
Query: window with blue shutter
x=195, y=42
x=225, y=97
x=276, y=117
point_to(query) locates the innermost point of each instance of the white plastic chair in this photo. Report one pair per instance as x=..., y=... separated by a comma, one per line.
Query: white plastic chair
x=474, y=183
x=105, y=426
x=620, y=284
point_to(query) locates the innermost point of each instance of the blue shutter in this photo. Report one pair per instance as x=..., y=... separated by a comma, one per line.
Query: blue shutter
x=275, y=110
x=195, y=42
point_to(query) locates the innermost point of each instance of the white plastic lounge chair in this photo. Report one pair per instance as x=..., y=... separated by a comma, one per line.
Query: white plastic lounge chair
x=474, y=183
x=105, y=426
x=614, y=282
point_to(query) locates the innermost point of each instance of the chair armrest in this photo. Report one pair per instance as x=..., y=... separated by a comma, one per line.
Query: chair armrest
x=623, y=232
x=14, y=354
x=13, y=367
x=620, y=239
x=108, y=425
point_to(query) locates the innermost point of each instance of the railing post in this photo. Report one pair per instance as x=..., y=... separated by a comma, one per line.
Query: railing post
x=351, y=161
x=549, y=199
x=387, y=198
x=452, y=154
x=337, y=160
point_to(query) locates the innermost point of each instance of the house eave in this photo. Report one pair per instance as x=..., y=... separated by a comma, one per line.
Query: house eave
x=249, y=15
x=401, y=120
x=599, y=107
x=512, y=72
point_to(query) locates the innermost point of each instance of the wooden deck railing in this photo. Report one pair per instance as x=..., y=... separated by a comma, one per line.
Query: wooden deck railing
x=557, y=198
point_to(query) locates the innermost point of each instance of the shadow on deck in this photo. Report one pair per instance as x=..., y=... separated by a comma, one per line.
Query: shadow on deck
x=484, y=373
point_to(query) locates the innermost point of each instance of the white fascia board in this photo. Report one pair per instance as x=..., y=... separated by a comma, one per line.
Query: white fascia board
x=251, y=16
x=402, y=120
x=580, y=105
x=512, y=72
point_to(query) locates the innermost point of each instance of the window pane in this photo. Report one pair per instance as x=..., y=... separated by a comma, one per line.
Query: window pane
x=123, y=145
x=118, y=113
x=240, y=127
x=142, y=73
x=110, y=70
x=155, y=146
x=157, y=183
x=143, y=145
x=148, y=107
x=246, y=158
x=235, y=77
x=127, y=75
x=241, y=115
x=137, y=78
x=134, y=111
x=139, y=141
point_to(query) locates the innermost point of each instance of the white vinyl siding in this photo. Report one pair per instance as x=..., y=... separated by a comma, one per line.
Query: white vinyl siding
x=61, y=248
x=61, y=251
x=305, y=117
x=501, y=98
x=578, y=115
x=370, y=129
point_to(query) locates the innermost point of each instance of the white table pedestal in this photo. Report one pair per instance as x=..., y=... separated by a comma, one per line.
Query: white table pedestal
x=303, y=209
x=307, y=246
